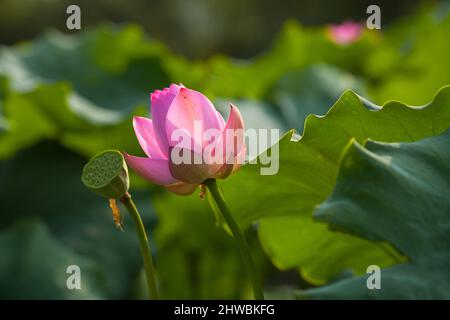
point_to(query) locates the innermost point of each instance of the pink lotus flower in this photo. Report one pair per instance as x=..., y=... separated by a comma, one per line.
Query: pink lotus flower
x=185, y=125
x=345, y=33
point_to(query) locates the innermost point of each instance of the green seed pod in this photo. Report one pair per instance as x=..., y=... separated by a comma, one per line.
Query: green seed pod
x=107, y=174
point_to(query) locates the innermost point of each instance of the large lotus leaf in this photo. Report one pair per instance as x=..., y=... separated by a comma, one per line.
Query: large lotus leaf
x=43, y=182
x=307, y=174
x=395, y=192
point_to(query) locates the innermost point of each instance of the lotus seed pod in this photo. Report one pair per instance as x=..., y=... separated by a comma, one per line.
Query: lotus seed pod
x=107, y=174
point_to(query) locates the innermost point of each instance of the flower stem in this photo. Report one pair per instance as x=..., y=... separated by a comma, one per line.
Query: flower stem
x=144, y=244
x=242, y=243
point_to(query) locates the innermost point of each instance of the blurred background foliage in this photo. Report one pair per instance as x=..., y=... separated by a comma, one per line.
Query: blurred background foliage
x=194, y=28
x=66, y=95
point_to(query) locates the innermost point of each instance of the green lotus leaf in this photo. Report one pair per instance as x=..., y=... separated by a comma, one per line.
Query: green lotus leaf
x=395, y=192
